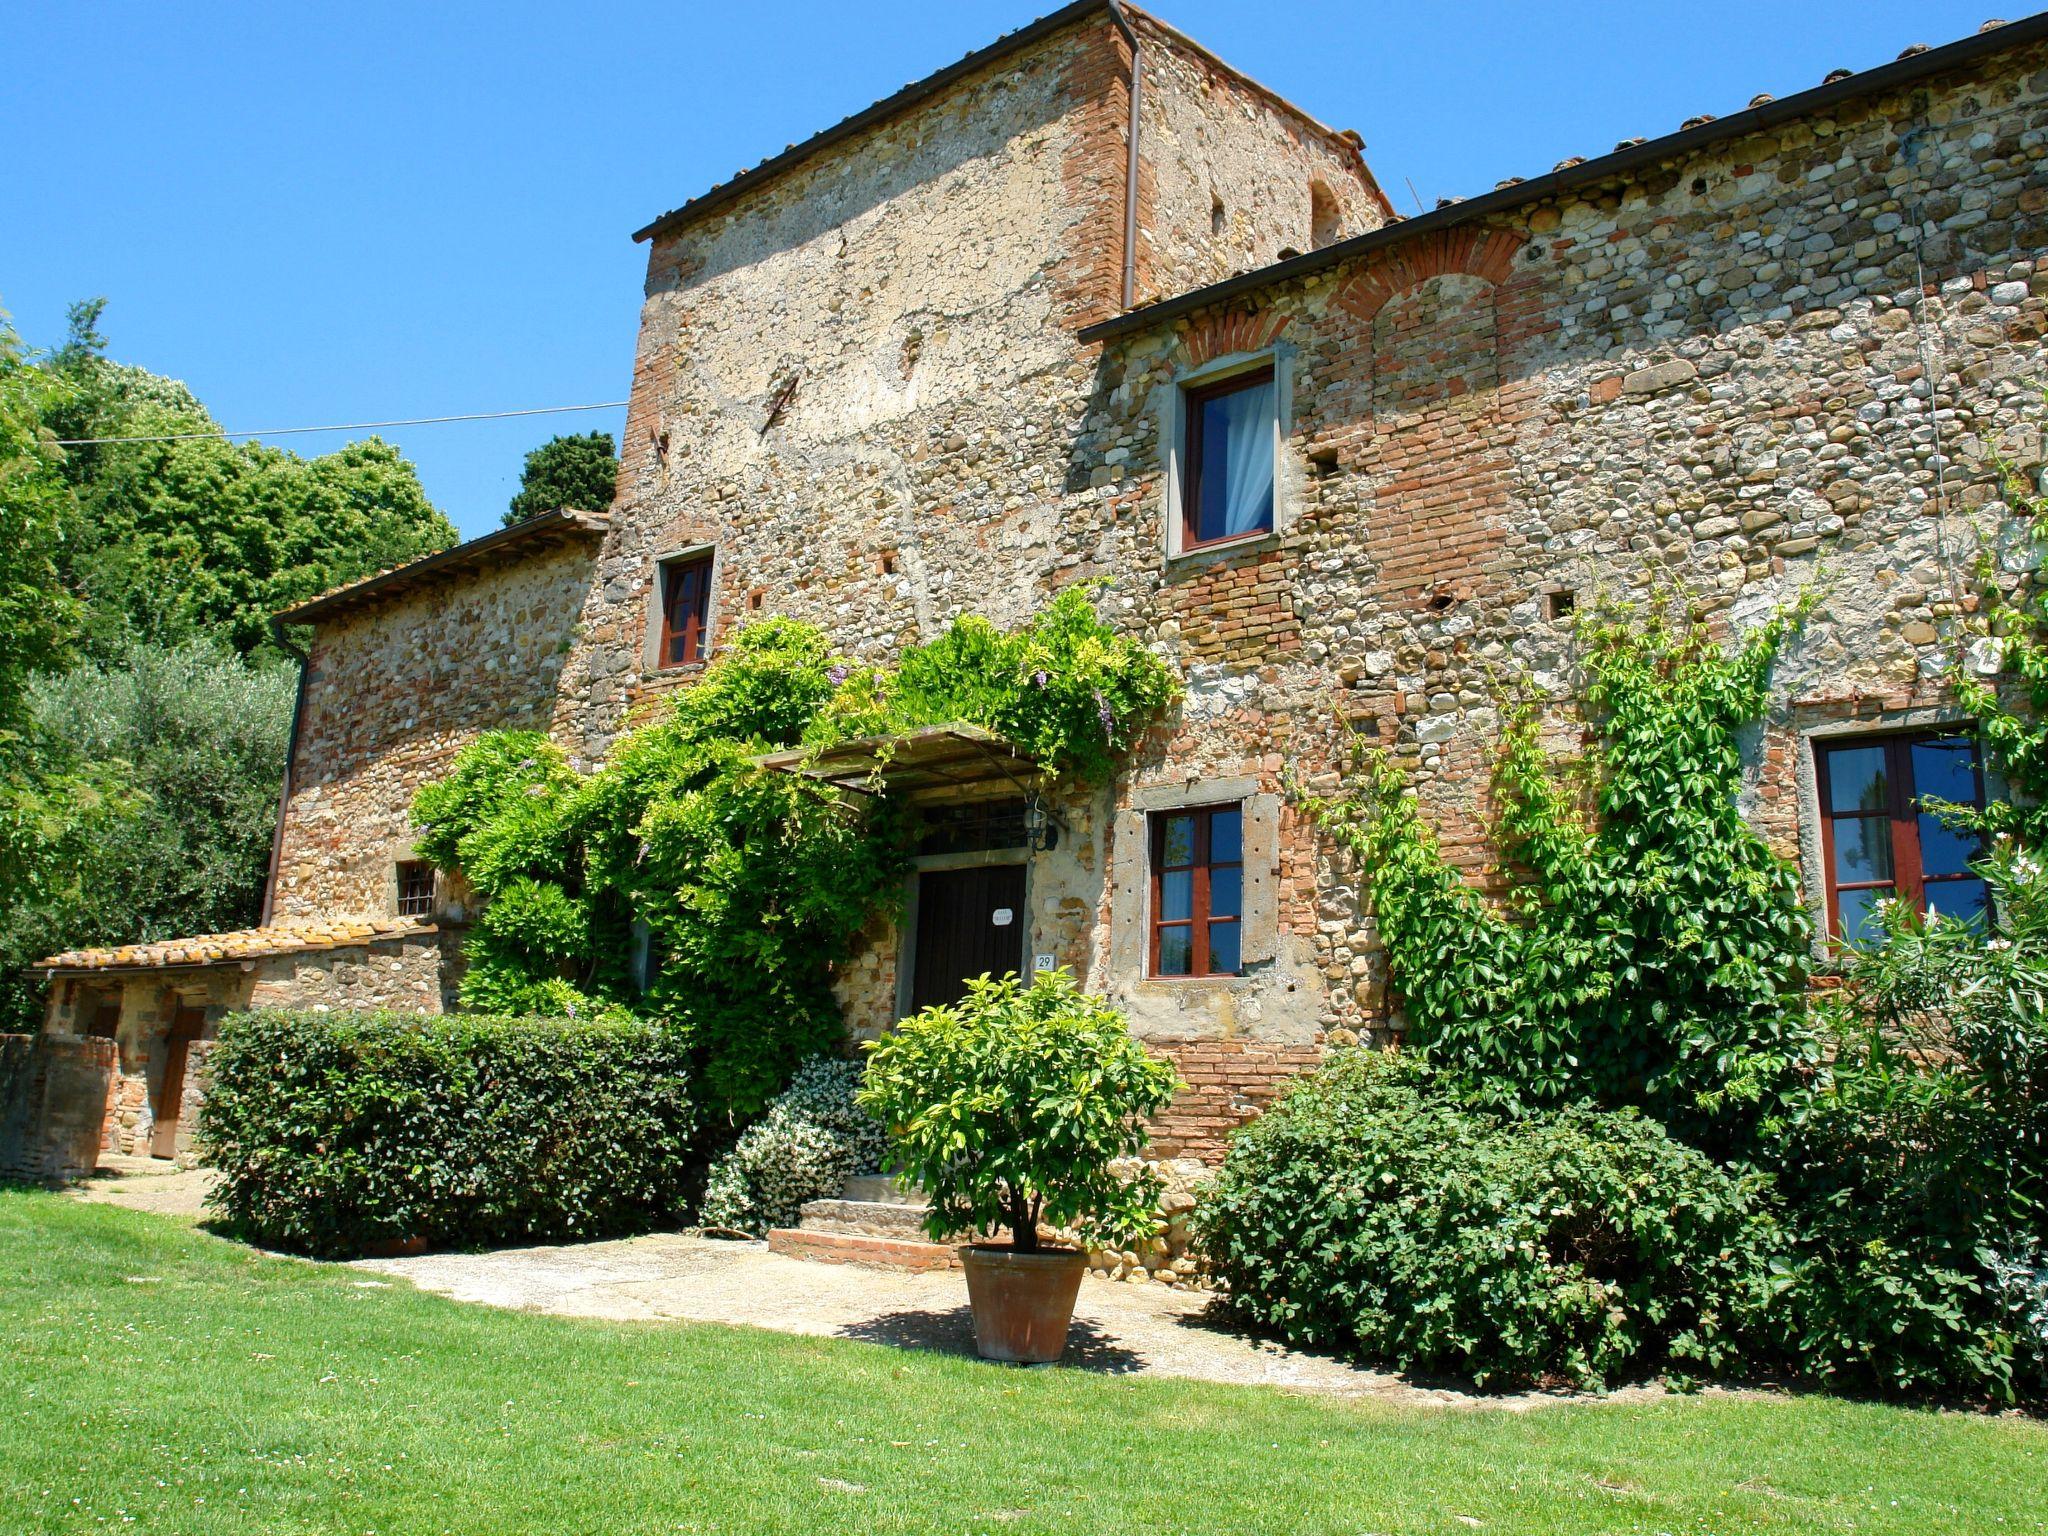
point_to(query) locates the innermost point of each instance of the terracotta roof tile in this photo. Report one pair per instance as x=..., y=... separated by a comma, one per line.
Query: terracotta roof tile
x=285, y=938
x=544, y=528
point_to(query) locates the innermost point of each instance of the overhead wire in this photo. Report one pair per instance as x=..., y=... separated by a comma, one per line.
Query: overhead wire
x=347, y=426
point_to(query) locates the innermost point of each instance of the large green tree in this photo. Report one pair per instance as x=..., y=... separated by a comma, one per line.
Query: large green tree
x=144, y=709
x=194, y=536
x=49, y=801
x=574, y=471
x=199, y=735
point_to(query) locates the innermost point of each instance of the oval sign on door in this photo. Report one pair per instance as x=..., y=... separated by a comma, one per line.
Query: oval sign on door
x=1001, y=917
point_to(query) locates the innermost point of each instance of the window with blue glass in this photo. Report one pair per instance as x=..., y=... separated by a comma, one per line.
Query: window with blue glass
x=1226, y=479
x=1879, y=836
x=1198, y=892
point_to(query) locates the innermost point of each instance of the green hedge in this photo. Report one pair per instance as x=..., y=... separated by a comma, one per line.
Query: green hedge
x=337, y=1132
x=1372, y=1212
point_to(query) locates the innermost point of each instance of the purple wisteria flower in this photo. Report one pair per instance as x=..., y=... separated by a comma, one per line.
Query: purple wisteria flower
x=835, y=675
x=1041, y=677
x=1107, y=715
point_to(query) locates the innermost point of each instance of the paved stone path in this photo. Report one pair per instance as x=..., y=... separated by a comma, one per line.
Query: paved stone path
x=672, y=1277
x=1119, y=1328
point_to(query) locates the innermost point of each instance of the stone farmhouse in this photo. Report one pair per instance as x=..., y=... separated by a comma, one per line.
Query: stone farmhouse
x=1091, y=303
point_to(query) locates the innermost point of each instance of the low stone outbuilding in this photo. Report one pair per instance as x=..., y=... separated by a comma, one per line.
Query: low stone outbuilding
x=158, y=1005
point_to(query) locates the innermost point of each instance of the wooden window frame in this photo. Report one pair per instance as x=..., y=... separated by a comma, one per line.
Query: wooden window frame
x=1908, y=881
x=1193, y=397
x=693, y=639
x=408, y=868
x=1198, y=920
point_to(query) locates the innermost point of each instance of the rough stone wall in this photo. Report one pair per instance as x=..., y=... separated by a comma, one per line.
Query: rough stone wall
x=1782, y=362
x=1214, y=144
x=415, y=974
x=51, y=1089
x=860, y=384
x=393, y=692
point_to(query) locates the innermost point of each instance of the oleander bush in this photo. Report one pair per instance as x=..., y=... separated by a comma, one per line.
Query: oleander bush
x=1374, y=1212
x=814, y=1136
x=337, y=1132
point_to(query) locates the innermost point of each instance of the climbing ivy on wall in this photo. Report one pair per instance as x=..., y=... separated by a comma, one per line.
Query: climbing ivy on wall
x=1650, y=949
x=743, y=886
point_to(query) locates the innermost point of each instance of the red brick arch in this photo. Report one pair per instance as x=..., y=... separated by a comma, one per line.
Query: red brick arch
x=1474, y=252
x=1220, y=335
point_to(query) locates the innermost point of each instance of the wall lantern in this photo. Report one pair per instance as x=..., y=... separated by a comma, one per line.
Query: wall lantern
x=1041, y=832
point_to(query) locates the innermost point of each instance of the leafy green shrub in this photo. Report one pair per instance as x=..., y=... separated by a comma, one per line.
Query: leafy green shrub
x=1371, y=1211
x=1009, y=1109
x=1907, y=1226
x=812, y=1139
x=1065, y=687
x=336, y=1131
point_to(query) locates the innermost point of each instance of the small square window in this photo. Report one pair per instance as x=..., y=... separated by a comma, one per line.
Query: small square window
x=1227, y=454
x=1198, y=891
x=1559, y=605
x=685, y=611
x=415, y=888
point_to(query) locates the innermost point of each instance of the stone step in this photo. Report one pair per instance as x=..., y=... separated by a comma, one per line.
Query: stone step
x=871, y=1218
x=861, y=1248
x=880, y=1189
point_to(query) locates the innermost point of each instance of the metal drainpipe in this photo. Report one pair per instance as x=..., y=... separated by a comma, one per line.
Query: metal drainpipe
x=291, y=753
x=1116, y=14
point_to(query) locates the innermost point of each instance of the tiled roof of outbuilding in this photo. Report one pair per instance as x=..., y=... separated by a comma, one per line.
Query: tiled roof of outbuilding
x=547, y=528
x=285, y=938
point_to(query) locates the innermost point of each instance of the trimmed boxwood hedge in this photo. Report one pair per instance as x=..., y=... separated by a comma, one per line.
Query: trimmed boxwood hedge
x=338, y=1132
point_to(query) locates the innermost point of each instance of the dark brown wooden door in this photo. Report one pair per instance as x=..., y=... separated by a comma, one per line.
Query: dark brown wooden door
x=170, y=1087
x=970, y=922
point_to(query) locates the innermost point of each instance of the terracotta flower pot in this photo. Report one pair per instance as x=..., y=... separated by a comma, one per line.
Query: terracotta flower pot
x=1022, y=1302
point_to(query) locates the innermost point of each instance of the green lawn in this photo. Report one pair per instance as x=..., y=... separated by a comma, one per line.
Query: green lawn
x=153, y=1376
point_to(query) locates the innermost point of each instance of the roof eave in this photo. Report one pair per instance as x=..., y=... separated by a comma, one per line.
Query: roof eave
x=561, y=521
x=1869, y=82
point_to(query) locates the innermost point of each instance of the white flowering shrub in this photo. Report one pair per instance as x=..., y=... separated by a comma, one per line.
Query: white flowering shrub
x=809, y=1142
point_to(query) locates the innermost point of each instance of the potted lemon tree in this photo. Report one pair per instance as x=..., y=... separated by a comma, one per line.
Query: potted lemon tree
x=1008, y=1109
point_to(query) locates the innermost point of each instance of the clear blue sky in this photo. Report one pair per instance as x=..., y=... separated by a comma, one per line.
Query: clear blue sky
x=325, y=213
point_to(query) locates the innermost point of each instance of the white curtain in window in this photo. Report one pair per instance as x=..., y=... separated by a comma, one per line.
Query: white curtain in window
x=1248, y=490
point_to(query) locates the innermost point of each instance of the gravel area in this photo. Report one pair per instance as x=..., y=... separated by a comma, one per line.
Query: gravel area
x=160, y=1188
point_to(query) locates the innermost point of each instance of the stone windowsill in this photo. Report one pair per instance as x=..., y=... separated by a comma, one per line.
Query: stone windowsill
x=1218, y=549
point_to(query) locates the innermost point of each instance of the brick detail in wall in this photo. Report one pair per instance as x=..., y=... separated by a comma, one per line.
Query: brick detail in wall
x=1487, y=254
x=1438, y=459
x=1221, y=335
x=1229, y=1083
x=1097, y=80
x=1240, y=609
